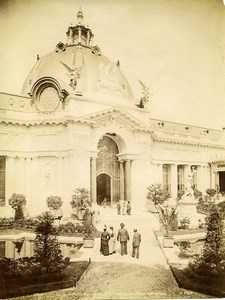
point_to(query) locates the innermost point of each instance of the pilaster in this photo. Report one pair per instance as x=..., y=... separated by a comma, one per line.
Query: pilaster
x=121, y=180
x=173, y=177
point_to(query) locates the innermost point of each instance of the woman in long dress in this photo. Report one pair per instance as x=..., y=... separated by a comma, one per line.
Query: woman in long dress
x=112, y=241
x=105, y=242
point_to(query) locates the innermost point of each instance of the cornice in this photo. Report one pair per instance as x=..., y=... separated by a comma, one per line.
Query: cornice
x=64, y=121
x=215, y=162
x=36, y=154
x=187, y=143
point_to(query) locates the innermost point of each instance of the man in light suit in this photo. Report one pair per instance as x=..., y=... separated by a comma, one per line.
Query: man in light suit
x=123, y=237
x=136, y=243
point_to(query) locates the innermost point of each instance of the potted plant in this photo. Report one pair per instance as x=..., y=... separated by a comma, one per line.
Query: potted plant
x=17, y=201
x=80, y=201
x=169, y=220
x=211, y=193
x=54, y=203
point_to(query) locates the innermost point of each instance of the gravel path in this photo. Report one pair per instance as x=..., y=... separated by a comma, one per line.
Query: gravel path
x=121, y=281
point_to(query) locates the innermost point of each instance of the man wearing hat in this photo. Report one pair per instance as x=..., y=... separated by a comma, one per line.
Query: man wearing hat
x=136, y=243
x=123, y=237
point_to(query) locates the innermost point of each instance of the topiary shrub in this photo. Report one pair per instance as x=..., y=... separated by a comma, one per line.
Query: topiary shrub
x=212, y=260
x=17, y=201
x=54, y=202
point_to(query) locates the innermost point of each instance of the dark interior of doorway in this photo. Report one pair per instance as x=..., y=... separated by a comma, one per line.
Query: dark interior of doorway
x=222, y=181
x=103, y=189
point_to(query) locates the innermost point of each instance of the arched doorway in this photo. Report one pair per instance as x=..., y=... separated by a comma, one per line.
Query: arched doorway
x=103, y=188
x=107, y=171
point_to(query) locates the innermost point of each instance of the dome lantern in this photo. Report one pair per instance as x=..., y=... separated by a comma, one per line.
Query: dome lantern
x=79, y=34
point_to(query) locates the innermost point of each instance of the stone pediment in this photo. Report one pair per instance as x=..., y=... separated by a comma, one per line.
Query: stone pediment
x=115, y=118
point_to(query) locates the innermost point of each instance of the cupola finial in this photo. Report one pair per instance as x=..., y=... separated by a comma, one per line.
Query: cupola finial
x=80, y=17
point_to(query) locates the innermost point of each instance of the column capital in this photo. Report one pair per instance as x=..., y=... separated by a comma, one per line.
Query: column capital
x=126, y=156
x=94, y=153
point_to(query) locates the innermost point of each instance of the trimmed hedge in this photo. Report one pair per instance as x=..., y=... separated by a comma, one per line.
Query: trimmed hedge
x=43, y=283
x=207, y=285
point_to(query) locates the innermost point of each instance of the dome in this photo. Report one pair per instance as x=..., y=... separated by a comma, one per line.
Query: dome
x=79, y=68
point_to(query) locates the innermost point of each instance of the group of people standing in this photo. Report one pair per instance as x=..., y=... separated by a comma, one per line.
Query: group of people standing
x=108, y=241
x=123, y=206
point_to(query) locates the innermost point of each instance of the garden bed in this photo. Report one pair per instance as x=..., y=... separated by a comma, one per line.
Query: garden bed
x=180, y=231
x=15, y=231
x=43, y=283
x=208, y=285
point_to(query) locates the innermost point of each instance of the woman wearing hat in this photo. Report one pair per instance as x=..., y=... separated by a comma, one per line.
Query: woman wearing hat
x=105, y=242
x=112, y=241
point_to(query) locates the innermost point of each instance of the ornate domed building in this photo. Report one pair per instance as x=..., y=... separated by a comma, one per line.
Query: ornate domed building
x=77, y=124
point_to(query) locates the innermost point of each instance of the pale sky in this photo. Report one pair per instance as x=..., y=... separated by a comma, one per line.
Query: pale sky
x=177, y=47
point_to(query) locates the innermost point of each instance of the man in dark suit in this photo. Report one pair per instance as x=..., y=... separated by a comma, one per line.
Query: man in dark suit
x=136, y=243
x=123, y=237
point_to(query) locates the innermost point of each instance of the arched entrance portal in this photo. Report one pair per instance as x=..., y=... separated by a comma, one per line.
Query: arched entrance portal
x=107, y=171
x=103, y=188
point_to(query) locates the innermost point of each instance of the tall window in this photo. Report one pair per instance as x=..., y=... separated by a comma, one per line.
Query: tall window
x=2, y=180
x=166, y=177
x=2, y=248
x=180, y=178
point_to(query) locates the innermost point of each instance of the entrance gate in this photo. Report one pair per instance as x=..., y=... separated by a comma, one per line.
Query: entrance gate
x=103, y=188
x=108, y=172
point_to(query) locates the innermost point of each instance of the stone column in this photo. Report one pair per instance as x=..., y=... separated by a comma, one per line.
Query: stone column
x=159, y=174
x=127, y=180
x=28, y=190
x=60, y=176
x=212, y=180
x=93, y=179
x=200, y=179
x=19, y=180
x=35, y=177
x=28, y=178
x=173, y=175
x=23, y=172
x=206, y=178
x=10, y=177
x=121, y=180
